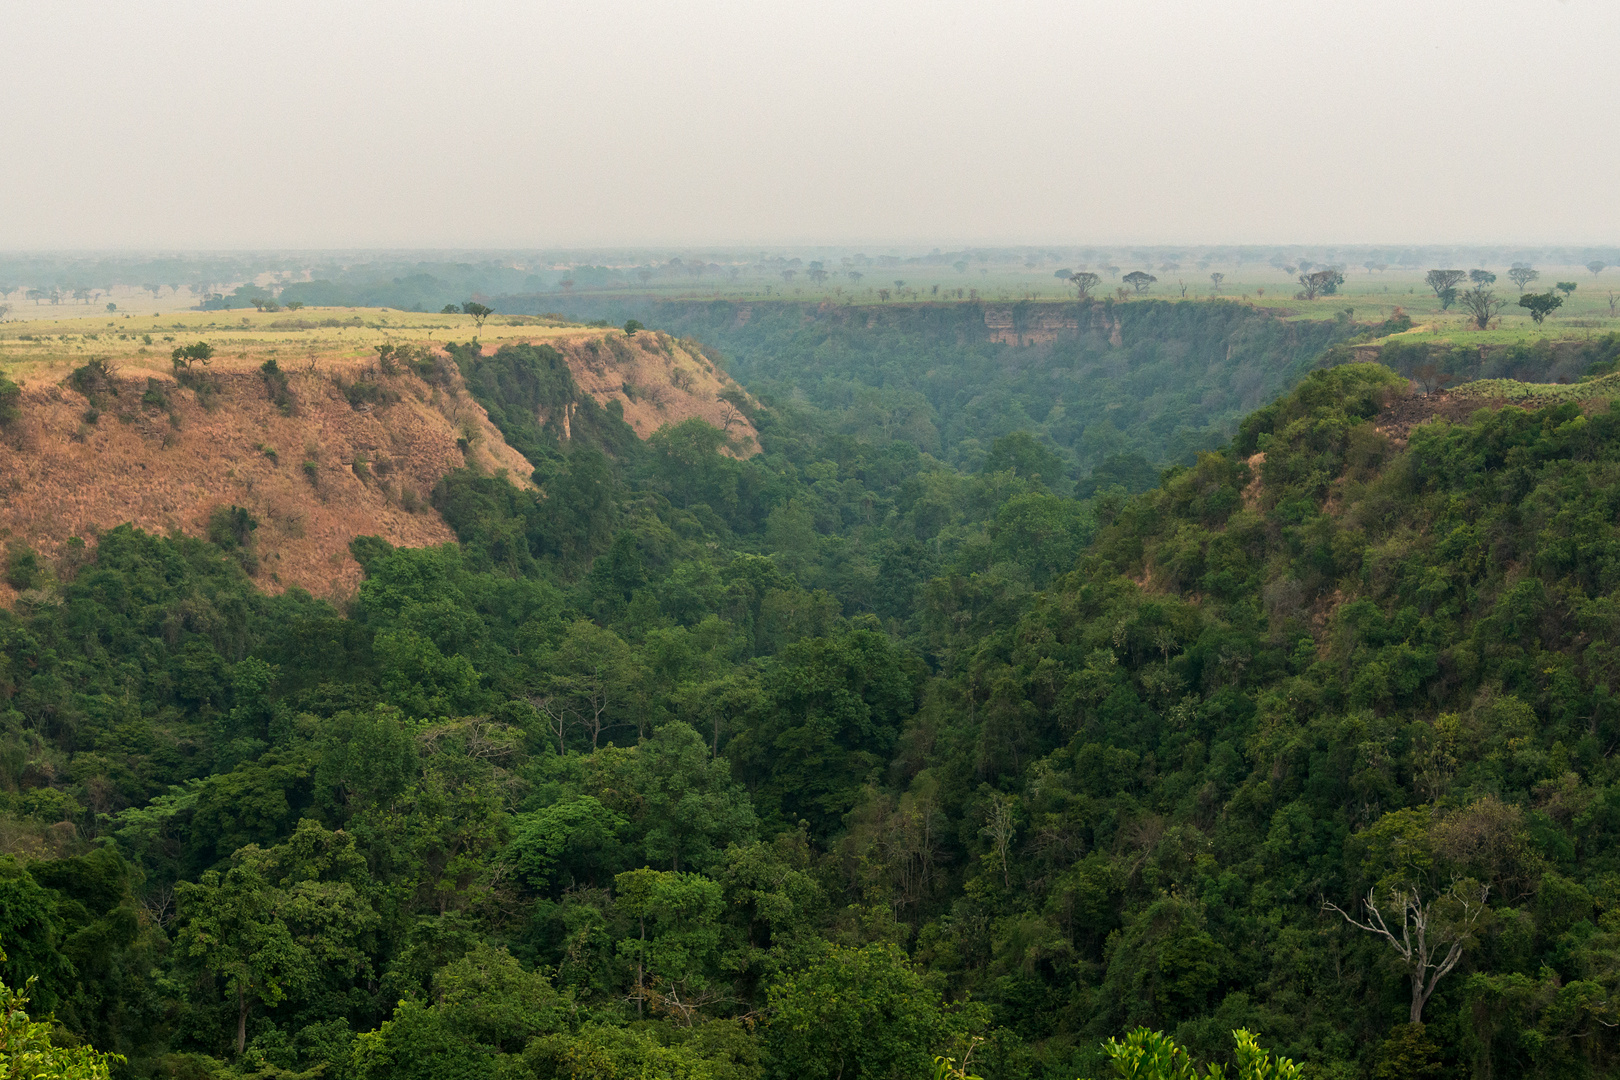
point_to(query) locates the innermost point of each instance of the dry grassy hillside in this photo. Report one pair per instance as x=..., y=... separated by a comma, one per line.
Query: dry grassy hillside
x=354, y=447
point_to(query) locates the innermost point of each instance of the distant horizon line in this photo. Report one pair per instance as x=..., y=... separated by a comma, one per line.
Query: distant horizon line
x=920, y=247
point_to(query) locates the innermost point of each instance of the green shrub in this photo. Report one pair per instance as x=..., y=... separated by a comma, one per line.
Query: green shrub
x=93, y=377
x=275, y=381
x=23, y=567
x=365, y=393
x=10, y=401
x=231, y=529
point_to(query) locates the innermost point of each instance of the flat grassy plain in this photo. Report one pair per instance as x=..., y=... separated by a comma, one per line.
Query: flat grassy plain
x=1371, y=295
x=49, y=335
x=297, y=340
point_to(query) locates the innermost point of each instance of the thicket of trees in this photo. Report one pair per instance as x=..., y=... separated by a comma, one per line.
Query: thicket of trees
x=834, y=760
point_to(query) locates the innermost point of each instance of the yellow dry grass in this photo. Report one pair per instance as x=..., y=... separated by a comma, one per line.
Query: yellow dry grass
x=142, y=342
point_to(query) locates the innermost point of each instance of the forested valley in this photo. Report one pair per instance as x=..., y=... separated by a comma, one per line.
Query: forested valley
x=1116, y=390
x=941, y=725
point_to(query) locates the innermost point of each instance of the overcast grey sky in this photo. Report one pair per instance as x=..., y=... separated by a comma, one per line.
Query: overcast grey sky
x=326, y=124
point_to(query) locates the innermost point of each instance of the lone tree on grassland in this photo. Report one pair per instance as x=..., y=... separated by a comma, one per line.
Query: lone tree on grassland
x=1482, y=277
x=1139, y=280
x=1540, y=305
x=1597, y=266
x=1481, y=304
x=1083, y=282
x=478, y=311
x=1215, y=280
x=1565, y=287
x=1522, y=275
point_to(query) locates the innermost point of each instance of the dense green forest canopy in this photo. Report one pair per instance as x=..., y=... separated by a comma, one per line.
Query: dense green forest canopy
x=834, y=759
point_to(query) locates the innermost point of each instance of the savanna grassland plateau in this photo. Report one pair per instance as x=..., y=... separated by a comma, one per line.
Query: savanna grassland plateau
x=1007, y=663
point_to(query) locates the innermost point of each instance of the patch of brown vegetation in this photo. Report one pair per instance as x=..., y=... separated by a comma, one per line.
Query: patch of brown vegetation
x=1251, y=490
x=1405, y=412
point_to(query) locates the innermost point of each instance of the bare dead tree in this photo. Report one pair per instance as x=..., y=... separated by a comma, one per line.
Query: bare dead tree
x=1482, y=304
x=556, y=720
x=158, y=904
x=1000, y=828
x=1426, y=932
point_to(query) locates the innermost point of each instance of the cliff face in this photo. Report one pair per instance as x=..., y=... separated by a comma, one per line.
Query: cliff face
x=340, y=445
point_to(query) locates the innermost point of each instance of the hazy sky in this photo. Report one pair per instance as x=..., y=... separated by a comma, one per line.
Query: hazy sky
x=328, y=124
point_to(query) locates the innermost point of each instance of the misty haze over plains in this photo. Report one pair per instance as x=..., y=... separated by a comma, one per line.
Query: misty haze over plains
x=321, y=125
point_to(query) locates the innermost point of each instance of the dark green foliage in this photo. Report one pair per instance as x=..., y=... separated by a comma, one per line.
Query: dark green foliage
x=24, y=570
x=93, y=378
x=276, y=384
x=154, y=396
x=364, y=393
x=231, y=527
x=1132, y=472
x=859, y=1013
x=525, y=388
x=10, y=402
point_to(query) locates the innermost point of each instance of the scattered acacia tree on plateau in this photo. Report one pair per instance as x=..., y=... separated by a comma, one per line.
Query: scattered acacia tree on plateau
x=1597, y=266
x=1444, y=284
x=1319, y=283
x=1139, y=280
x=1482, y=277
x=1083, y=283
x=186, y=355
x=1215, y=280
x=1522, y=275
x=478, y=311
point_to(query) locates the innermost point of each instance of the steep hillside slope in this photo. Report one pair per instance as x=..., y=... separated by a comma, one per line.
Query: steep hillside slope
x=337, y=440
x=161, y=456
